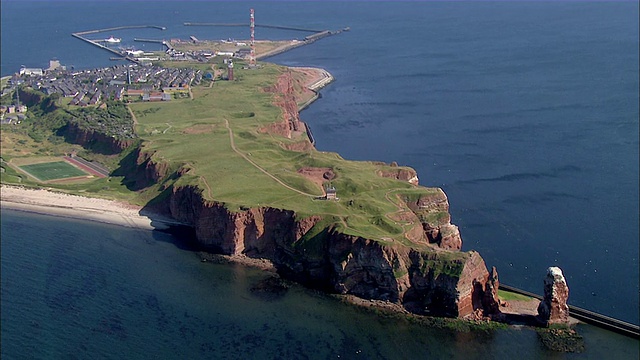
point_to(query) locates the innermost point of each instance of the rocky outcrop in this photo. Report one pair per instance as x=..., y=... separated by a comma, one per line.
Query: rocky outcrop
x=314, y=253
x=140, y=170
x=553, y=308
x=433, y=212
x=404, y=174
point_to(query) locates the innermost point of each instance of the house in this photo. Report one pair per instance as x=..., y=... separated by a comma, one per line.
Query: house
x=154, y=96
x=331, y=193
x=31, y=71
x=136, y=92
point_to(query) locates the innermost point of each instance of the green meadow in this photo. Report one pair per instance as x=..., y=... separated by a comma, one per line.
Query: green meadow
x=217, y=138
x=196, y=134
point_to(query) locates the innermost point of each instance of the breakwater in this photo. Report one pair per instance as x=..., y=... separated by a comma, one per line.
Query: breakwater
x=588, y=317
x=106, y=48
x=293, y=28
x=312, y=140
x=306, y=41
x=121, y=28
x=163, y=42
x=79, y=35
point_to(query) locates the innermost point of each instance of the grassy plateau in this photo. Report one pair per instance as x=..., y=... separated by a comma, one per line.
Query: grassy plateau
x=218, y=134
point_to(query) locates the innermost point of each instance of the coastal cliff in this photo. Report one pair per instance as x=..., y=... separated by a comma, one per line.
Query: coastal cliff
x=313, y=252
x=421, y=268
x=95, y=140
x=383, y=238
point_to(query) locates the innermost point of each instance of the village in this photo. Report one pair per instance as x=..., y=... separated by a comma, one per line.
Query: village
x=123, y=82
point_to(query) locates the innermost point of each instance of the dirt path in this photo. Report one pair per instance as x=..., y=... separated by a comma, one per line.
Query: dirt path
x=133, y=116
x=233, y=147
x=206, y=184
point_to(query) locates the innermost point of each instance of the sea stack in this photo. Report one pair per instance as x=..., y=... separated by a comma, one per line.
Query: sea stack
x=553, y=308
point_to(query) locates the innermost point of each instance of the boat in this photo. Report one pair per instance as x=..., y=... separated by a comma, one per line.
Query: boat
x=113, y=40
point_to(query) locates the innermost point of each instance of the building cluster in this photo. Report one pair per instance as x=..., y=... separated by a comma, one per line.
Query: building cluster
x=12, y=113
x=89, y=87
x=204, y=55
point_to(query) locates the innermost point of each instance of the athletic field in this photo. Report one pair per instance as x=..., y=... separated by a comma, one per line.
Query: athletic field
x=53, y=170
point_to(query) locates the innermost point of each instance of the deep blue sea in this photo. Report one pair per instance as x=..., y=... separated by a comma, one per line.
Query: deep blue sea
x=525, y=113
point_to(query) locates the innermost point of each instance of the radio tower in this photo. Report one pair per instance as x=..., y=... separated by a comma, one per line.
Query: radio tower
x=252, y=57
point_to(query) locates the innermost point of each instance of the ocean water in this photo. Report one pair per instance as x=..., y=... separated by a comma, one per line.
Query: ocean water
x=525, y=113
x=76, y=290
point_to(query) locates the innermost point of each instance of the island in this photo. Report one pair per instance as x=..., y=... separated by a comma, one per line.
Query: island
x=217, y=144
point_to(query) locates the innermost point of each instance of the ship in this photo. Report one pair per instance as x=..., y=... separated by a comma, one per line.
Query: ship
x=113, y=40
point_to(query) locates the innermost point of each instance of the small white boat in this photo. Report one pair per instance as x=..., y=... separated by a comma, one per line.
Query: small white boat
x=113, y=40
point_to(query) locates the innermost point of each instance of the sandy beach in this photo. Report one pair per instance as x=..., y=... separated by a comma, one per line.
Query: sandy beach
x=79, y=207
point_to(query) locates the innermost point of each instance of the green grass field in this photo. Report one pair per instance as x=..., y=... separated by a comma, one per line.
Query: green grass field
x=221, y=136
x=510, y=296
x=232, y=177
x=53, y=170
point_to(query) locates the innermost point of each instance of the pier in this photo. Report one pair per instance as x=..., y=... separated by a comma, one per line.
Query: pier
x=306, y=41
x=106, y=48
x=79, y=35
x=589, y=317
x=256, y=25
x=163, y=42
x=121, y=28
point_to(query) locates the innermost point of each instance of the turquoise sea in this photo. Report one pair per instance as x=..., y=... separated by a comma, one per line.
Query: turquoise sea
x=525, y=113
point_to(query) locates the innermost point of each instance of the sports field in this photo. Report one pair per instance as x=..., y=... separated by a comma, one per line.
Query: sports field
x=53, y=170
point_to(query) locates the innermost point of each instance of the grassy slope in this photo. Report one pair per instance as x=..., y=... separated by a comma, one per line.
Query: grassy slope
x=236, y=182
x=193, y=133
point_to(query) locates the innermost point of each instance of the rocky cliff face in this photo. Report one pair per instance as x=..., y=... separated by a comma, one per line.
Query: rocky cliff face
x=285, y=99
x=403, y=174
x=433, y=212
x=438, y=280
x=429, y=282
x=95, y=141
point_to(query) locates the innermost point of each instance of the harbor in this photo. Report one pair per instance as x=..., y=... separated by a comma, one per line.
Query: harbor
x=176, y=54
x=121, y=55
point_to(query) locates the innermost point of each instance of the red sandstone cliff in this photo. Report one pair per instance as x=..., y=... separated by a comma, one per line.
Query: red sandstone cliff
x=285, y=99
x=97, y=141
x=433, y=212
x=405, y=174
x=439, y=283
x=439, y=280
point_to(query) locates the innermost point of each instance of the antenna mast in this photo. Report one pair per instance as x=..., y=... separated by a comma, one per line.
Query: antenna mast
x=252, y=57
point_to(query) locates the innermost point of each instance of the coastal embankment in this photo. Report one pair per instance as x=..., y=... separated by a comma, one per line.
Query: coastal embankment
x=318, y=78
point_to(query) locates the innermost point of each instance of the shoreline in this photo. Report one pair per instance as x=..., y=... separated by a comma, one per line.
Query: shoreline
x=317, y=79
x=46, y=202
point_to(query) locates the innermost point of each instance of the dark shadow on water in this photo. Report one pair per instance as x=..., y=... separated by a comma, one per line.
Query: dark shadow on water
x=522, y=319
x=182, y=236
